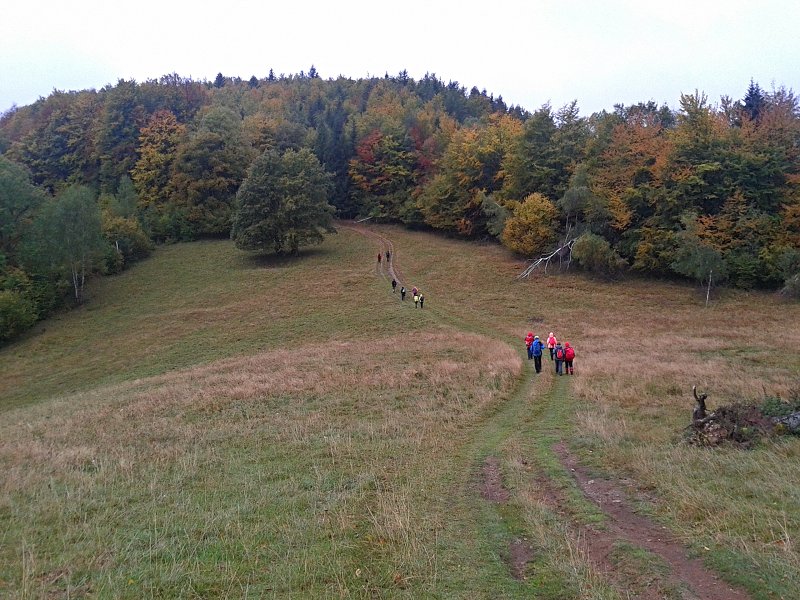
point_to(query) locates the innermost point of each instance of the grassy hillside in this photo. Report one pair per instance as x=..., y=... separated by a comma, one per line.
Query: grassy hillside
x=212, y=424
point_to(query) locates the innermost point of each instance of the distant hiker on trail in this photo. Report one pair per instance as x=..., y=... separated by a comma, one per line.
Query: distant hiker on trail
x=394, y=285
x=416, y=299
x=559, y=358
x=388, y=256
x=402, y=293
x=537, y=347
x=551, y=344
x=569, y=356
x=421, y=300
x=414, y=291
x=379, y=258
x=528, y=342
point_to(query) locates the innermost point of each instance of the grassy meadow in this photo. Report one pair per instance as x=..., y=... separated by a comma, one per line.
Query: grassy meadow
x=212, y=424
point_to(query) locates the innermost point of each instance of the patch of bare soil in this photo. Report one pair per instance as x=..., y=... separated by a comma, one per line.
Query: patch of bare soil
x=626, y=526
x=520, y=553
x=492, y=488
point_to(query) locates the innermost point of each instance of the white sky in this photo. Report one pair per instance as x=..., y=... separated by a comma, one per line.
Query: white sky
x=596, y=52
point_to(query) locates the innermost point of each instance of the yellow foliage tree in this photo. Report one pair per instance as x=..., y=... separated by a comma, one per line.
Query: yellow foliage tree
x=531, y=228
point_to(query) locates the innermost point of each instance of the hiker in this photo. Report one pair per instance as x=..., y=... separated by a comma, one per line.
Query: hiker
x=528, y=342
x=414, y=291
x=569, y=356
x=388, y=256
x=551, y=344
x=403, y=293
x=394, y=285
x=379, y=258
x=537, y=347
x=421, y=300
x=416, y=299
x=559, y=358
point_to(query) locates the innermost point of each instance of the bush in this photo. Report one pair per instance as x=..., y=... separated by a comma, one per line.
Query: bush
x=17, y=313
x=776, y=407
x=594, y=254
x=127, y=238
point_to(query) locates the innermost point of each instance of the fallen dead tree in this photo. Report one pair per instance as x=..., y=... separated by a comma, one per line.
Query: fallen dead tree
x=563, y=253
x=741, y=424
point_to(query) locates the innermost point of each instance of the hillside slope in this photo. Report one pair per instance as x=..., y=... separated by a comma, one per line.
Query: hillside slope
x=220, y=425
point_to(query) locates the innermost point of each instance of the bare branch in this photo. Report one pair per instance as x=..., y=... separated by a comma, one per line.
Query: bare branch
x=563, y=250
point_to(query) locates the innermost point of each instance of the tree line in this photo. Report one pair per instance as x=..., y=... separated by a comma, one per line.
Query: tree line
x=90, y=180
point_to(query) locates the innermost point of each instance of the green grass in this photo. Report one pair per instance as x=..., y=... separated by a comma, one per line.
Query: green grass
x=211, y=424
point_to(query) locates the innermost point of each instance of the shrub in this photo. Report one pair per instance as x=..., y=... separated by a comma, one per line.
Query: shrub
x=594, y=254
x=17, y=313
x=127, y=238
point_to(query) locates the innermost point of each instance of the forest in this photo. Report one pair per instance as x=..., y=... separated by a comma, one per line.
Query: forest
x=91, y=180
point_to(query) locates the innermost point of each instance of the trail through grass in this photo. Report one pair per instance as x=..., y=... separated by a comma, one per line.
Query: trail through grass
x=215, y=425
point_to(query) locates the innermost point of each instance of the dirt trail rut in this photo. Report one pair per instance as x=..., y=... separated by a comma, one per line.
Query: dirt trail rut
x=626, y=525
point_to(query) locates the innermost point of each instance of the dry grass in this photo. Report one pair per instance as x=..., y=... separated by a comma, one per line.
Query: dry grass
x=348, y=434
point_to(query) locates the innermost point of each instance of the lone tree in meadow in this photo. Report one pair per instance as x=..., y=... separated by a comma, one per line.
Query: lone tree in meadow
x=283, y=203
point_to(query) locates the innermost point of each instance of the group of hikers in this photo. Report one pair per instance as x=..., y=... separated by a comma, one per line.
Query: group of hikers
x=562, y=356
x=416, y=294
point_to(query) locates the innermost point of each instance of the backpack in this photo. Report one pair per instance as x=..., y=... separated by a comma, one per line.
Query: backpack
x=560, y=353
x=569, y=353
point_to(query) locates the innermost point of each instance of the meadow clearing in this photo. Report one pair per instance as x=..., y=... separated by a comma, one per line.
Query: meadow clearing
x=213, y=424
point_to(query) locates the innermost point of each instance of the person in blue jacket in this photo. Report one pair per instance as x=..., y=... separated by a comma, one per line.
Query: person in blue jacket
x=537, y=347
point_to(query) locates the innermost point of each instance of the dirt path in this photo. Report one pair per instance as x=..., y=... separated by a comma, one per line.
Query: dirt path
x=624, y=524
x=695, y=581
x=388, y=267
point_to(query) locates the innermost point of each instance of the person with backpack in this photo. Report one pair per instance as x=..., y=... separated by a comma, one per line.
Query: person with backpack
x=403, y=293
x=551, y=344
x=394, y=285
x=416, y=299
x=537, y=348
x=569, y=356
x=528, y=342
x=559, y=358
x=421, y=300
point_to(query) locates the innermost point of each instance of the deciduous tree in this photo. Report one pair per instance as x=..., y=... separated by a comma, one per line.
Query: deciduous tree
x=282, y=204
x=531, y=228
x=66, y=236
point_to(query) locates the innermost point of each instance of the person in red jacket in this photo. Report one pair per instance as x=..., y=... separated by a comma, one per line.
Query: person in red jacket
x=569, y=356
x=551, y=344
x=528, y=342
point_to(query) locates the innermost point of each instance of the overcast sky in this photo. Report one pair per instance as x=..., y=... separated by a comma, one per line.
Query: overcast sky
x=596, y=52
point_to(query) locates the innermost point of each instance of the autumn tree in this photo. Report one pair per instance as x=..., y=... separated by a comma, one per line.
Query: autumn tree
x=383, y=175
x=471, y=169
x=209, y=167
x=158, y=144
x=282, y=204
x=531, y=228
